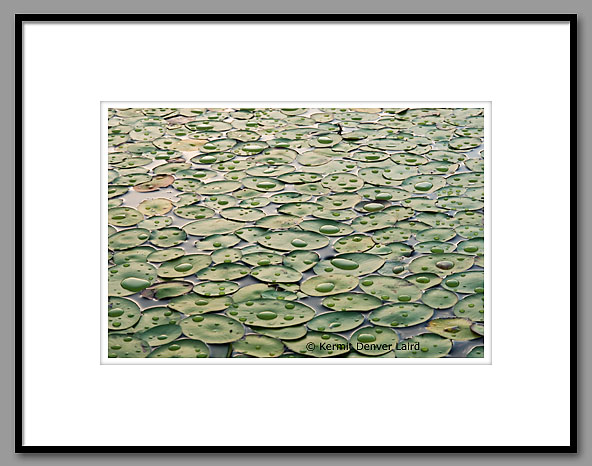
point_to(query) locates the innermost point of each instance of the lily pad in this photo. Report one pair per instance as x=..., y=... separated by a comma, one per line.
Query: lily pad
x=122, y=313
x=329, y=284
x=390, y=288
x=127, y=239
x=476, y=352
x=438, y=298
x=210, y=226
x=223, y=272
x=291, y=240
x=124, y=216
x=373, y=341
x=425, y=345
x=454, y=329
x=471, y=307
x=167, y=290
x=401, y=315
x=212, y=328
x=276, y=274
x=182, y=348
x=259, y=346
x=465, y=282
x=283, y=333
x=441, y=264
x=161, y=334
x=183, y=266
x=152, y=207
x=129, y=278
x=154, y=316
x=352, y=302
x=193, y=303
x=350, y=263
x=336, y=321
x=168, y=237
x=271, y=313
x=127, y=346
x=215, y=288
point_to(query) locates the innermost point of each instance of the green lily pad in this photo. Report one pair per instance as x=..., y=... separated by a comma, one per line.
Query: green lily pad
x=168, y=237
x=454, y=329
x=342, y=182
x=373, y=341
x=161, y=334
x=300, y=260
x=441, y=264
x=299, y=209
x=194, y=212
x=127, y=346
x=472, y=246
x=390, y=288
x=223, y=272
x=213, y=242
x=122, y=313
x=216, y=288
x=283, y=333
x=263, y=258
x=242, y=214
x=465, y=282
x=182, y=348
x=210, y=226
x=336, y=321
x=251, y=292
x=424, y=280
x=127, y=239
x=466, y=179
x=326, y=227
x=464, y=143
x=165, y=255
x=350, y=263
x=354, y=243
x=276, y=274
x=339, y=201
x=401, y=315
x=152, y=207
x=438, y=298
x=156, y=223
x=212, y=328
x=352, y=302
x=471, y=307
x=476, y=352
x=271, y=313
x=124, y=216
x=259, y=346
x=129, y=278
x=154, y=316
x=329, y=284
x=183, y=266
x=425, y=345
x=291, y=240
x=435, y=234
x=226, y=255
x=218, y=187
x=193, y=303
x=138, y=254
x=167, y=290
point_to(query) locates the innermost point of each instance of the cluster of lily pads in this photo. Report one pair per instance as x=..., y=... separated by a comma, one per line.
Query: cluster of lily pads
x=253, y=232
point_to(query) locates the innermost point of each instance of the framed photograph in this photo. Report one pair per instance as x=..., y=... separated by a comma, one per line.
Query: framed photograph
x=214, y=207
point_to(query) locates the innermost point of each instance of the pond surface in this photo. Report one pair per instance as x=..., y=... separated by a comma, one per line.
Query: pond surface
x=296, y=233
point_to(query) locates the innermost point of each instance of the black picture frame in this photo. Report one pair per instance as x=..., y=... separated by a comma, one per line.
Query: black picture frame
x=21, y=19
